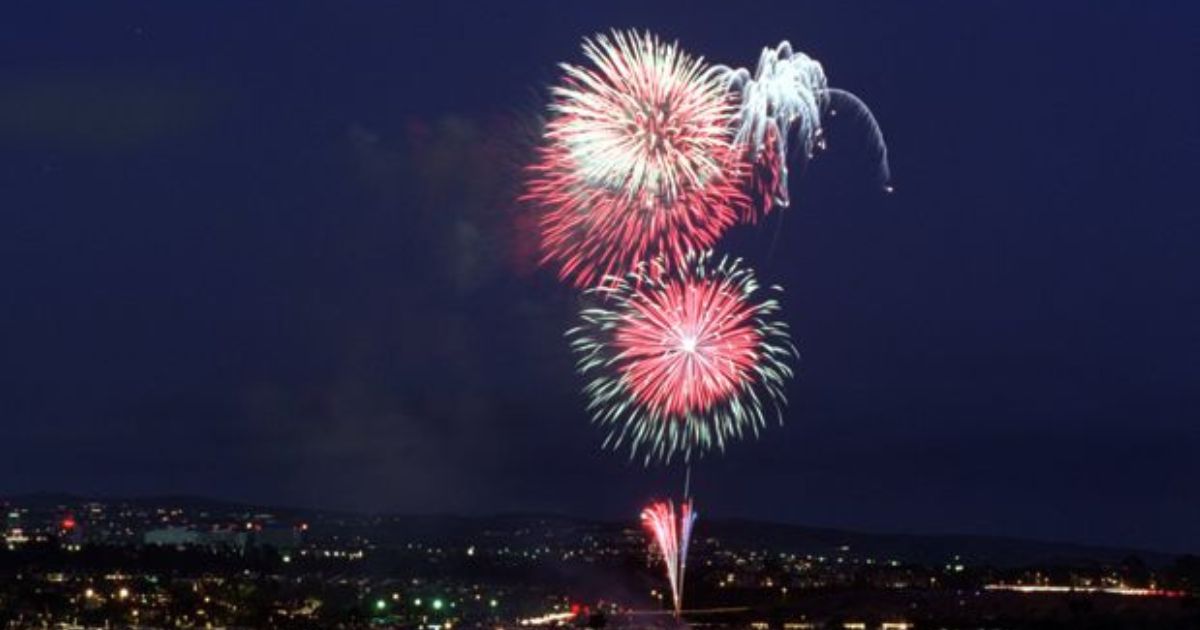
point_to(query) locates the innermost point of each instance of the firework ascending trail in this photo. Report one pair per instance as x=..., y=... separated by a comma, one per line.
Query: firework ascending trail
x=672, y=538
x=788, y=90
x=682, y=362
x=638, y=160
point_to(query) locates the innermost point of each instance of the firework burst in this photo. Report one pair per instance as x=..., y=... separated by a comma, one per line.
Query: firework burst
x=788, y=91
x=672, y=537
x=682, y=361
x=638, y=160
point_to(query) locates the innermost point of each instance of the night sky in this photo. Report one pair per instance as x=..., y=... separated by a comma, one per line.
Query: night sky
x=269, y=252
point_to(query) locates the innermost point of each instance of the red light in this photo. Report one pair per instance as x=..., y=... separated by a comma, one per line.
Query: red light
x=574, y=609
x=68, y=523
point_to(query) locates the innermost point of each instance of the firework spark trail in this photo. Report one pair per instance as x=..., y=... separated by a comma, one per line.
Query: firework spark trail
x=682, y=362
x=672, y=537
x=639, y=160
x=787, y=91
x=687, y=519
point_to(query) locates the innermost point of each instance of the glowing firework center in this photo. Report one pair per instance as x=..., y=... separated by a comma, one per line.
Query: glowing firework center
x=688, y=346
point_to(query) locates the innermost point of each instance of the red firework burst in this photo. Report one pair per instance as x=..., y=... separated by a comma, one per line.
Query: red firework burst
x=638, y=161
x=689, y=345
x=682, y=362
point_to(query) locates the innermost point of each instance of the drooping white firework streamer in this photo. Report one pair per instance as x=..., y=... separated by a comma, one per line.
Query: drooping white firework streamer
x=789, y=91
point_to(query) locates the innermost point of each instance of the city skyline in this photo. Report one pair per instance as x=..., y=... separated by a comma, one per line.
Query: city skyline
x=272, y=255
x=178, y=562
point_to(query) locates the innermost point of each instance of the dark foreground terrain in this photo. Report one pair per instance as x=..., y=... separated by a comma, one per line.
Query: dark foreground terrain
x=69, y=562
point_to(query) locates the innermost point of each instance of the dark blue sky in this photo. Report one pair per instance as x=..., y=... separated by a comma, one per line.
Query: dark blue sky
x=267, y=252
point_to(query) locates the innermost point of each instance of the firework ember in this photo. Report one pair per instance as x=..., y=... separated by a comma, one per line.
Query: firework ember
x=638, y=160
x=682, y=362
x=671, y=536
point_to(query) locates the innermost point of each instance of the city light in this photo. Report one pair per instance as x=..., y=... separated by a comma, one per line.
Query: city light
x=548, y=619
x=1111, y=590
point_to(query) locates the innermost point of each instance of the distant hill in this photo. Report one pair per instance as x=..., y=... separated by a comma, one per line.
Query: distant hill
x=923, y=549
x=737, y=533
